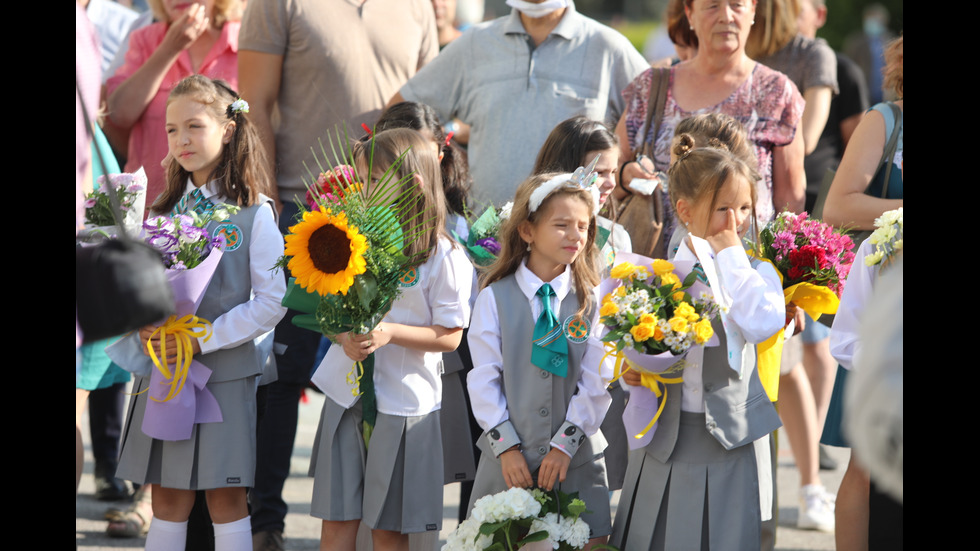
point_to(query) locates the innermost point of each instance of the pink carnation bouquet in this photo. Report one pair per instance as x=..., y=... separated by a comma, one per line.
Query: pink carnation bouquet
x=812, y=259
x=805, y=250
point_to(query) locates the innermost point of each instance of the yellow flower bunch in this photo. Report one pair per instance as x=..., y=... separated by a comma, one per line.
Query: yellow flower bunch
x=685, y=310
x=678, y=324
x=703, y=331
x=643, y=331
x=661, y=267
x=609, y=308
x=627, y=270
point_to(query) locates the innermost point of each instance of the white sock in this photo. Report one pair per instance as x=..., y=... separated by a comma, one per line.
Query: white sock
x=165, y=535
x=233, y=536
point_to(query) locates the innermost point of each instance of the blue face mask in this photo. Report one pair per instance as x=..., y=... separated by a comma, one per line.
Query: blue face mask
x=873, y=27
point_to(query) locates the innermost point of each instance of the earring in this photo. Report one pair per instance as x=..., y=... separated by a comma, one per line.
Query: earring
x=528, y=247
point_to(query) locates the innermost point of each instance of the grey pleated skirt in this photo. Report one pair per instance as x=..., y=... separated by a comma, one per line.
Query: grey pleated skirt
x=459, y=459
x=217, y=455
x=396, y=485
x=588, y=479
x=705, y=497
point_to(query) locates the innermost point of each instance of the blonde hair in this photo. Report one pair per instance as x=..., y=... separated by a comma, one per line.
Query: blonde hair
x=894, y=71
x=426, y=219
x=513, y=249
x=701, y=172
x=222, y=12
x=775, y=26
x=709, y=129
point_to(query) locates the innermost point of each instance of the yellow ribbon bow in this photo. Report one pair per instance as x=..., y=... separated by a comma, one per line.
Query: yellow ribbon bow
x=814, y=300
x=650, y=381
x=183, y=329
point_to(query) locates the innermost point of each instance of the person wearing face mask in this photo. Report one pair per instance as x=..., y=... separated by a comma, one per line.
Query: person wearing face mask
x=514, y=78
x=867, y=48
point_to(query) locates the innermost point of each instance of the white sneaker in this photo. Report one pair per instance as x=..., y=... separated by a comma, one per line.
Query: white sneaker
x=816, y=509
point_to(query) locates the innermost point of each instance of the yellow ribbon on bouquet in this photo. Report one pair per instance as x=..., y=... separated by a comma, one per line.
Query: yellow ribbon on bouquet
x=815, y=300
x=183, y=329
x=650, y=381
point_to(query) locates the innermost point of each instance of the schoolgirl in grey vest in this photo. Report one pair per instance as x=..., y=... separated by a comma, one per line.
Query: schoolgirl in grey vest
x=703, y=478
x=521, y=406
x=215, y=157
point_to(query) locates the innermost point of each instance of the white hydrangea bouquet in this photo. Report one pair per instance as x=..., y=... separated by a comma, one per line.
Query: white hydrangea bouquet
x=888, y=237
x=517, y=517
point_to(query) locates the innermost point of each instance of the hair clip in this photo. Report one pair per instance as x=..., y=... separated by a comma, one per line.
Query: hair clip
x=449, y=136
x=367, y=129
x=583, y=178
x=238, y=106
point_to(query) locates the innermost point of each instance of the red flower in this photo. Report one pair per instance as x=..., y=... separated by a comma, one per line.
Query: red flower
x=805, y=261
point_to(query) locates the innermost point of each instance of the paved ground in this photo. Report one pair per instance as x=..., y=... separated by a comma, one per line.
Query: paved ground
x=303, y=531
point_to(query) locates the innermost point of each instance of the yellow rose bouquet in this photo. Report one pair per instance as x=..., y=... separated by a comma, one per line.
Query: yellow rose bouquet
x=655, y=312
x=650, y=310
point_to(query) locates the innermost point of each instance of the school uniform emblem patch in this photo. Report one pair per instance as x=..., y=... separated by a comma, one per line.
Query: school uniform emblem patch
x=577, y=329
x=232, y=235
x=409, y=278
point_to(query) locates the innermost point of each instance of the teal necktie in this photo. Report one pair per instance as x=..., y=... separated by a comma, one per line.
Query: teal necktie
x=550, y=349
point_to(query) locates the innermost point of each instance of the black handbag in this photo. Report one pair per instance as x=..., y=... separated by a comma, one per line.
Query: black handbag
x=120, y=284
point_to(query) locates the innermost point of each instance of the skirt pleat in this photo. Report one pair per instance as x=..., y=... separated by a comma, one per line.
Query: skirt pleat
x=217, y=455
x=704, y=497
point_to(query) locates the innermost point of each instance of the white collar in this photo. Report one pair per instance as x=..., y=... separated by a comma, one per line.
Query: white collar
x=684, y=253
x=209, y=189
x=530, y=283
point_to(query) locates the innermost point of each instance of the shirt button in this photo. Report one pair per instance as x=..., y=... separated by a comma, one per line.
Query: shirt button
x=711, y=425
x=542, y=450
x=544, y=374
x=543, y=412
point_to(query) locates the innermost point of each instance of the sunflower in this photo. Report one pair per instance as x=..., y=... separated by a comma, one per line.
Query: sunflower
x=326, y=252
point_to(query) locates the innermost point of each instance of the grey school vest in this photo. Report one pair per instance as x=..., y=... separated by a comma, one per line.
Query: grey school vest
x=231, y=286
x=737, y=411
x=536, y=400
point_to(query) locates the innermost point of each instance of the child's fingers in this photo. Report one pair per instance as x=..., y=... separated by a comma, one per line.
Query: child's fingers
x=546, y=476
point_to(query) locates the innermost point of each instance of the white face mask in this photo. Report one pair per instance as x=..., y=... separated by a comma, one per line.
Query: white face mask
x=535, y=11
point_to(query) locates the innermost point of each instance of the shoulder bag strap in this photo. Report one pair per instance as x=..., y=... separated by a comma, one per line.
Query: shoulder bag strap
x=888, y=154
x=659, y=82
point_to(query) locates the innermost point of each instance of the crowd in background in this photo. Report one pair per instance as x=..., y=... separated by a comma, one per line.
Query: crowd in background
x=493, y=98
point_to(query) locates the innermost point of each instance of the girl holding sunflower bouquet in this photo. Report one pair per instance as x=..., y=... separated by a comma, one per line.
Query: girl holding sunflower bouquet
x=389, y=476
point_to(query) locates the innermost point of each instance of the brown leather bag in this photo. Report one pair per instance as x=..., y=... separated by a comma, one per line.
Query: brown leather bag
x=643, y=215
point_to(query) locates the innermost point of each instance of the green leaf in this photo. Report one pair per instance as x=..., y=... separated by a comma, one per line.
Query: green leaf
x=540, y=535
x=488, y=528
x=366, y=287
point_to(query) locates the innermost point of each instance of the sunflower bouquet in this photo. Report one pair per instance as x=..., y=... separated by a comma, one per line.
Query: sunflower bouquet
x=345, y=256
x=481, y=240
